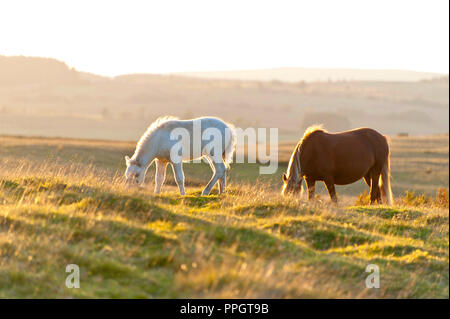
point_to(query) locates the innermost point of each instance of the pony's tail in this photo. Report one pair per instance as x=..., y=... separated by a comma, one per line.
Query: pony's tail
x=227, y=155
x=385, y=184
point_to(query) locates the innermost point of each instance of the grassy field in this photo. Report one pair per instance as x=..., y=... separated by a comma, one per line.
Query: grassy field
x=64, y=202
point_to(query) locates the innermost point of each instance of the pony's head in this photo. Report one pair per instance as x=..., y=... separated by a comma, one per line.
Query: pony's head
x=134, y=174
x=291, y=184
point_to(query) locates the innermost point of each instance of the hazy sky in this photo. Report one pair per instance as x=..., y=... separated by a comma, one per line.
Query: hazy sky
x=116, y=37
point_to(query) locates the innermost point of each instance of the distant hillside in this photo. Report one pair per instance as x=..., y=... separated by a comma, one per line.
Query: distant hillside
x=315, y=75
x=40, y=96
x=21, y=70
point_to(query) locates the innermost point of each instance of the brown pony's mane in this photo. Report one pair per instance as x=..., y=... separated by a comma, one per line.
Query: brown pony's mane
x=294, y=162
x=311, y=129
x=308, y=132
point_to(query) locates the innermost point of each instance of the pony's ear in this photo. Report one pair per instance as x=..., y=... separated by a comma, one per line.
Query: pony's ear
x=284, y=177
x=127, y=159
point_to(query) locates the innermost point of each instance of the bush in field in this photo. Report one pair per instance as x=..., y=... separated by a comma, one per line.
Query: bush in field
x=363, y=199
x=442, y=197
x=412, y=199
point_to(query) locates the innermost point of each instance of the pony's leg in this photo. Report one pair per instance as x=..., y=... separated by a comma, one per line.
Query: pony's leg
x=222, y=183
x=179, y=176
x=367, y=179
x=311, y=185
x=219, y=171
x=331, y=190
x=375, y=193
x=160, y=175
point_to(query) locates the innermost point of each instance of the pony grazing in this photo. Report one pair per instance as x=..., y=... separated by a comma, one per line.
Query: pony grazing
x=341, y=159
x=169, y=140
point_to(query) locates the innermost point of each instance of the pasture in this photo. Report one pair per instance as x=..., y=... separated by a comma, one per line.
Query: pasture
x=63, y=202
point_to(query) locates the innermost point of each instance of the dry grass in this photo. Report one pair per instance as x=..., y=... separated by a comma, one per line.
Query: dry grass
x=251, y=242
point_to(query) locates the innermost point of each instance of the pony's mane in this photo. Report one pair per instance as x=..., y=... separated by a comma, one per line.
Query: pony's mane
x=311, y=129
x=159, y=122
x=294, y=161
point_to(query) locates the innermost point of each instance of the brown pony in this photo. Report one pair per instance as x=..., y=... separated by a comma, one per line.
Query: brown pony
x=340, y=158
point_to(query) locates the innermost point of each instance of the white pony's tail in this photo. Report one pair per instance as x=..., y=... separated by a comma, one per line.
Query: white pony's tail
x=227, y=155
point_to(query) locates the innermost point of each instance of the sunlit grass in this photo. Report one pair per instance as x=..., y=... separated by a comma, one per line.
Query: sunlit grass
x=251, y=242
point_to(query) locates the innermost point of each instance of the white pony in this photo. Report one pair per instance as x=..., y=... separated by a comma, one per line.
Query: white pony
x=207, y=137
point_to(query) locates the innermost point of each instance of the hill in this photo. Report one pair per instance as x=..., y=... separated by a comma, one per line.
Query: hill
x=315, y=75
x=64, y=202
x=44, y=97
x=26, y=71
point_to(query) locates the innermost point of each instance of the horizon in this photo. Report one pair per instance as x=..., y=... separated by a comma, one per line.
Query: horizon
x=190, y=72
x=110, y=39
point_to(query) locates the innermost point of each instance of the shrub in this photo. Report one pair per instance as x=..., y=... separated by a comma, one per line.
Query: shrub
x=363, y=199
x=412, y=199
x=442, y=197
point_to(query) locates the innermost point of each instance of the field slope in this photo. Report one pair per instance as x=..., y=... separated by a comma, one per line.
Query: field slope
x=57, y=209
